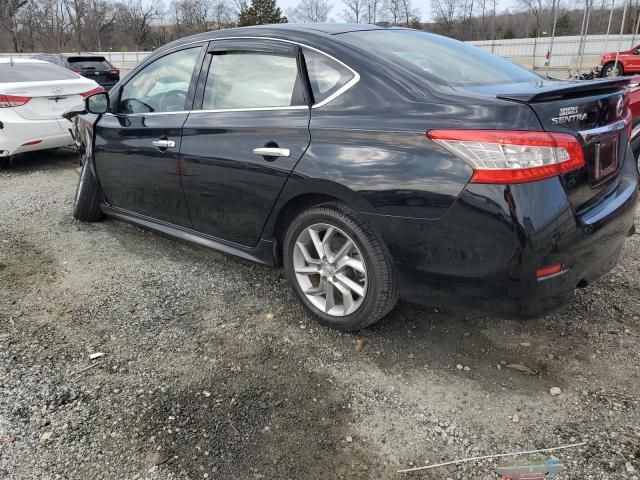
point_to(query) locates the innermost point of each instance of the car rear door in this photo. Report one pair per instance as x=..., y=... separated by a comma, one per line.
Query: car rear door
x=137, y=144
x=244, y=139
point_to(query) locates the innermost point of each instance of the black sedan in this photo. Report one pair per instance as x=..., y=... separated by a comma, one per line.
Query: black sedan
x=374, y=163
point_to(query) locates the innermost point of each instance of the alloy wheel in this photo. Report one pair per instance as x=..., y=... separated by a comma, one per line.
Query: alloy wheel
x=614, y=71
x=330, y=269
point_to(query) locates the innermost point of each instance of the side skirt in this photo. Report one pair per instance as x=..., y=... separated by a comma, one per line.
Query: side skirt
x=262, y=253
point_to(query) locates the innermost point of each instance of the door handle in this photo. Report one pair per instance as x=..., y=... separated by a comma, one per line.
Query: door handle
x=272, y=152
x=163, y=143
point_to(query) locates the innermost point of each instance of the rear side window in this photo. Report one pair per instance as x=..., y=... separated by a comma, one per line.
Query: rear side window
x=326, y=75
x=439, y=59
x=251, y=80
x=33, y=72
x=89, y=63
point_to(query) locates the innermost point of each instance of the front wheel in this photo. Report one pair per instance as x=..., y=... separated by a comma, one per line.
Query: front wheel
x=612, y=69
x=86, y=203
x=339, y=267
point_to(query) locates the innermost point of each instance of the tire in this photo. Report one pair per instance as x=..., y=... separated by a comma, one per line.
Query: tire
x=86, y=203
x=635, y=147
x=364, y=271
x=609, y=70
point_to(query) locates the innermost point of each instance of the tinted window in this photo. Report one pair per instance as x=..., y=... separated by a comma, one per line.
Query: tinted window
x=33, y=72
x=251, y=80
x=325, y=75
x=89, y=63
x=161, y=86
x=440, y=59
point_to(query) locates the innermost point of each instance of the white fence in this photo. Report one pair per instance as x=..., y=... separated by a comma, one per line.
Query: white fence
x=532, y=52
x=529, y=52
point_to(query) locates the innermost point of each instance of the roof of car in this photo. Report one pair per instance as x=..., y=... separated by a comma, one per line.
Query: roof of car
x=329, y=28
x=20, y=60
x=298, y=31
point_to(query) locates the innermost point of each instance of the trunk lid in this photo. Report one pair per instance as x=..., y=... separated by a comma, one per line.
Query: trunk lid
x=49, y=100
x=594, y=111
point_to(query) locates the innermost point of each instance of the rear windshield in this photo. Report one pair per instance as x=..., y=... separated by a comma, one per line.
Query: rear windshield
x=89, y=63
x=33, y=72
x=440, y=59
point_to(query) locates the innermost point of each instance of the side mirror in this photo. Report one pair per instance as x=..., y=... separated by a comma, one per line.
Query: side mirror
x=97, y=103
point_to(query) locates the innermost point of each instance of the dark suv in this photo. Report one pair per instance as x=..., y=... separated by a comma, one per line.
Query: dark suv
x=95, y=67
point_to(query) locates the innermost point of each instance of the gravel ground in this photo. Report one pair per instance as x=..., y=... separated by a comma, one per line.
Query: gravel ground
x=211, y=368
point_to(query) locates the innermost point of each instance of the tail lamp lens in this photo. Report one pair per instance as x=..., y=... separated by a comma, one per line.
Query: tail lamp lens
x=93, y=91
x=7, y=101
x=504, y=156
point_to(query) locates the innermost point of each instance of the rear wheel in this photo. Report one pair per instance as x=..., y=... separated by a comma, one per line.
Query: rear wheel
x=86, y=203
x=613, y=69
x=339, y=268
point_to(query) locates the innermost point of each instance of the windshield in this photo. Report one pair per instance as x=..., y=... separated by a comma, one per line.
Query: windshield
x=33, y=72
x=440, y=59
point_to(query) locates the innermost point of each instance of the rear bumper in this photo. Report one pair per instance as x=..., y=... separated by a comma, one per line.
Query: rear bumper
x=483, y=254
x=17, y=133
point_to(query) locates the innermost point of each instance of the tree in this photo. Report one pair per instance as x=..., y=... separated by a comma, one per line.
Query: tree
x=445, y=13
x=372, y=7
x=260, y=12
x=354, y=10
x=8, y=12
x=310, y=11
x=136, y=18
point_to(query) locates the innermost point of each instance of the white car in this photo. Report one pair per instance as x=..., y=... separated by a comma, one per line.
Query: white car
x=33, y=96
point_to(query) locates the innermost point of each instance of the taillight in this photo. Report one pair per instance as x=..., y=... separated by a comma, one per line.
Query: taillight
x=77, y=70
x=7, y=101
x=113, y=71
x=506, y=156
x=93, y=91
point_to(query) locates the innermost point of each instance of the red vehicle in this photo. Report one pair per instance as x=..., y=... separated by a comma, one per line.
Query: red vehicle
x=628, y=62
x=634, y=105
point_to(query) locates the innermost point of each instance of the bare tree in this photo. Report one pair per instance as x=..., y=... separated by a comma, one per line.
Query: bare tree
x=535, y=8
x=372, y=8
x=9, y=10
x=409, y=12
x=354, y=10
x=222, y=14
x=392, y=10
x=136, y=18
x=446, y=14
x=54, y=25
x=309, y=11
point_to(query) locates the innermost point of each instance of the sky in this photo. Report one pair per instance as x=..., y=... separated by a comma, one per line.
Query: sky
x=423, y=5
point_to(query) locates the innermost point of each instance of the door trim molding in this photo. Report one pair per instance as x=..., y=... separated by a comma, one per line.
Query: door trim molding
x=262, y=253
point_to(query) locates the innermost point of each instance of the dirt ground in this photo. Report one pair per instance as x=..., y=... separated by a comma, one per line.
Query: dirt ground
x=211, y=368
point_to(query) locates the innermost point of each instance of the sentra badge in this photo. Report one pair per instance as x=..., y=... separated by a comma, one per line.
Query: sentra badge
x=568, y=115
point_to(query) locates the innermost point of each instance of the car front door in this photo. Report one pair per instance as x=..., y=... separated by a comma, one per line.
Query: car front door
x=137, y=144
x=252, y=127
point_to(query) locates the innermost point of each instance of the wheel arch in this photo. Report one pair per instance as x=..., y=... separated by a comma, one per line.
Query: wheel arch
x=299, y=197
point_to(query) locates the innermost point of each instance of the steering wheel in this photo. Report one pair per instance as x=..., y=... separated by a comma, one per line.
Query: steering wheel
x=145, y=107
x=172, y=101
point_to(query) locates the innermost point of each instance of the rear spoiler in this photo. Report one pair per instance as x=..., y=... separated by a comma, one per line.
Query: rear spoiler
x=567, y=90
